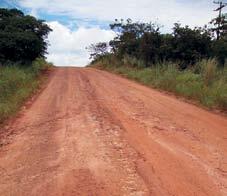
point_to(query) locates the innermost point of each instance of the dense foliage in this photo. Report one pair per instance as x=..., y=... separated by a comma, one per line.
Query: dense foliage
x=22, y=37
x=145, y=42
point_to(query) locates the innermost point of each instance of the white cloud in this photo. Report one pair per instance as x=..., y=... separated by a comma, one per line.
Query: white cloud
x=191, y=12
x=68, y=47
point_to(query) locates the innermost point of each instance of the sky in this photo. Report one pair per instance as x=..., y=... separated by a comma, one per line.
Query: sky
x=78, y=23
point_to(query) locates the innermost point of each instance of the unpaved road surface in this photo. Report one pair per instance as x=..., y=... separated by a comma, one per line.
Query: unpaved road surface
x=93, y=133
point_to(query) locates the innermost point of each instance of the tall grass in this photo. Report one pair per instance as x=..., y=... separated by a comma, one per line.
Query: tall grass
x=16, y=84
x=204, y=82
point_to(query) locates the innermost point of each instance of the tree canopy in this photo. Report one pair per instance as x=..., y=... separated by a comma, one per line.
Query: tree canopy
x=22, y=37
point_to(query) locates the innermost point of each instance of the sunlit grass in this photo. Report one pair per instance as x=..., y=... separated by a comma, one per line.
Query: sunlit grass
x=17, y=83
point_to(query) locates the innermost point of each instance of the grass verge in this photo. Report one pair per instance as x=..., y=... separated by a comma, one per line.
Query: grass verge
x=204, y=82
x=17, y=83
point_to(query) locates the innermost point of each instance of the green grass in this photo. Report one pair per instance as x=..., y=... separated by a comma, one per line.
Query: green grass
x=204, y=83
x=17, y=83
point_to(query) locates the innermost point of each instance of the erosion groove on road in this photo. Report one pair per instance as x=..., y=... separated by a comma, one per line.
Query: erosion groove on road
x=94, y=133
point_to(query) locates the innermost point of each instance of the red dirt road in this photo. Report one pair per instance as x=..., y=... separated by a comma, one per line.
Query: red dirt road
x=93, y=133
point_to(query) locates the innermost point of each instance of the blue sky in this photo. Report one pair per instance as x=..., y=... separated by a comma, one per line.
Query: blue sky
x=78, y=23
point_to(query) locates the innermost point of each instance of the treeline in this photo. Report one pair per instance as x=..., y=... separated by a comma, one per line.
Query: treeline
x=146, y=43
x=22, y=37
x=188, y=62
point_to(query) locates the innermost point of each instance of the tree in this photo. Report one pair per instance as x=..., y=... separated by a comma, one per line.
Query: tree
x=128, y=36
x=219, y=45
x=190, y=45
x=220, y=26
x=149, y=47
x=220, y=22
x=98, y=50
x=23, y=37
x=219, y=51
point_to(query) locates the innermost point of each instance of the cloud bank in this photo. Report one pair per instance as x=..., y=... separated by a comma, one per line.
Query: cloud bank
x=68, y=47
x=192, y=12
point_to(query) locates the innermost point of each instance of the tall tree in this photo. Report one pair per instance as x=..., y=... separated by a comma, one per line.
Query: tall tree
x=22, y=37
x=220, y=22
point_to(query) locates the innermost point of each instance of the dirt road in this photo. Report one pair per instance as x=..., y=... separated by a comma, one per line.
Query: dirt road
x=93, y=133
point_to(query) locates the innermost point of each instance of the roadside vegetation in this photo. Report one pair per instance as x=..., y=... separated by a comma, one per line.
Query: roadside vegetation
x=205, y=84
x=22, y=63
x=188, y=62
x=17, y=83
